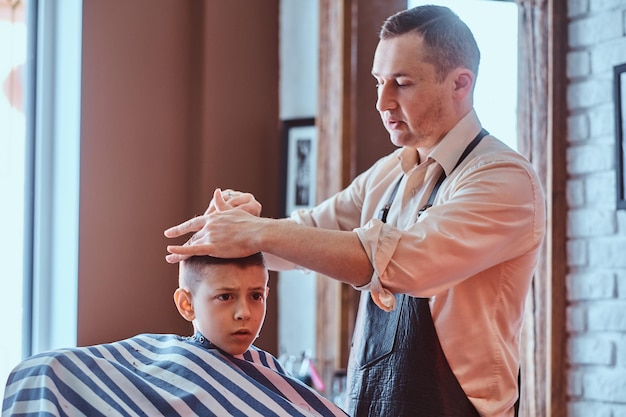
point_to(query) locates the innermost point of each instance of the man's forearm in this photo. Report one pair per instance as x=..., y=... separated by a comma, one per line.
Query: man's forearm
x=337, y=254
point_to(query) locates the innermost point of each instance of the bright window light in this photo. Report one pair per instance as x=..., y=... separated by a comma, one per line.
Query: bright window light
x=495, y=96
x=12, y=165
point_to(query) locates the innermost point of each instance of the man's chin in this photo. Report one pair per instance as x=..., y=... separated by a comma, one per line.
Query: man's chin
x=399, y=140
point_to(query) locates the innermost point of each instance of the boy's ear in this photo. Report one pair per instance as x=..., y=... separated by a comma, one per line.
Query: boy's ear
x=182, y=299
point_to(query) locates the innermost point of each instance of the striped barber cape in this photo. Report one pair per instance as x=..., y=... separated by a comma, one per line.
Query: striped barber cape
x=158, y=375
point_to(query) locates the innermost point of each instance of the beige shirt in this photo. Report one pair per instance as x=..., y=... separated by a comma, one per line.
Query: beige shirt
x=473, y=253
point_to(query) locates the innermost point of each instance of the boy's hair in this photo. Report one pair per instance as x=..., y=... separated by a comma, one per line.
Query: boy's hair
x=190, y=272
x=448, y=42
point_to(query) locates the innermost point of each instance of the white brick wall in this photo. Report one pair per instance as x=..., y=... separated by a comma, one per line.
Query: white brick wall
x=596, y=248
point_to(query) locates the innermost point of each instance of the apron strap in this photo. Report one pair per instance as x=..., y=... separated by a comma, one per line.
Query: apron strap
x=382, y=215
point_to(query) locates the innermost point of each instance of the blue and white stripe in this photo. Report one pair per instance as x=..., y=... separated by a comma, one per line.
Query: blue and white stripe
x=158, y=375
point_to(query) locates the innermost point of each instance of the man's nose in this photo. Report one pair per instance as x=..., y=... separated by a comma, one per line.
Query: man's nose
x=385, y=100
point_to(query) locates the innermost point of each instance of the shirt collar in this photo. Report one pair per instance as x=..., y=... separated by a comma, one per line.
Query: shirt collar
x=448, y=151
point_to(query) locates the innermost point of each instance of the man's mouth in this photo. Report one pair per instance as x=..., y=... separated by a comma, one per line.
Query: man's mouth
x=393, y=124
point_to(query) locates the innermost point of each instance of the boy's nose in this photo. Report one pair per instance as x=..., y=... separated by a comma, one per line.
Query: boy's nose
x=242, y=312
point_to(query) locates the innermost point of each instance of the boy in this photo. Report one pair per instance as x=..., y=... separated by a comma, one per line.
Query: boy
x=224, y=299
x=215, y=372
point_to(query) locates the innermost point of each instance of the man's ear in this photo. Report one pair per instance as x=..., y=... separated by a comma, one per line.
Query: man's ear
x=463, y=83
x=182, y=299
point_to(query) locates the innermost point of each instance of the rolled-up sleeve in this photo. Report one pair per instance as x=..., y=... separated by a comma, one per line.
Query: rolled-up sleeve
x=490, y=214
x=379, y=241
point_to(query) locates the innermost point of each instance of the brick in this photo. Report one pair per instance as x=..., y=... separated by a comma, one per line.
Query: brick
x=604, y=57
x=607, y=316
x=608, y=385
x=578, y=64
x=595, y=29
x=577, y=7
x=621, y=284
x=600, y=190
x=586, y=94
x=577, y=253
x=601, y=120
x=590, y=349
x=605, y=5
x=590, y=158
x=575, y=317
x=621, y=220
x=575, y=193
x=591, y=222
x=607, y=253
x=574, y=383
x=619, y=410
x=620, y=354
x=592, y=285
x=588, y=409
x=577, y=128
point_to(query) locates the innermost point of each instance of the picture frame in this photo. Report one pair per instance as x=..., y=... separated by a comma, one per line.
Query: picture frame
x=299, y=145
x=619, y=96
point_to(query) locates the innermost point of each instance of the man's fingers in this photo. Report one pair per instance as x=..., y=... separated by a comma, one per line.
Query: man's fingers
x=210, y=209
x=189, y=250
x=180, y=253
x=174, y=258
x=190, y=226
x=220, y=203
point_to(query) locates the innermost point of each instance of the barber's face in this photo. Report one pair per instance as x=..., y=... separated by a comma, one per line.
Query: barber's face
x=229, y=306
x=415, y=108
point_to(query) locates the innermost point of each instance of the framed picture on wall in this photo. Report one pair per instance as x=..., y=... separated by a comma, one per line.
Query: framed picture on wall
x=619, y=95
x=299, y=143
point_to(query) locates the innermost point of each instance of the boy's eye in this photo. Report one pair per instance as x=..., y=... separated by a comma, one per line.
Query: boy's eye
x=258, y=296
x=224, y=297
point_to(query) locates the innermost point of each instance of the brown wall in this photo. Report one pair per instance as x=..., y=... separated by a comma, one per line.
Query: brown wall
x=372, y=140
x=179, y=97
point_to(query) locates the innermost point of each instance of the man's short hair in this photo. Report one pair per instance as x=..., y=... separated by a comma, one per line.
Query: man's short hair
x=449, y=43
x=191, y=269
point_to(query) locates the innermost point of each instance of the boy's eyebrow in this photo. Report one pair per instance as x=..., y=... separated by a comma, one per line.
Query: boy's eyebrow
x=259, y=288
x=231, y=289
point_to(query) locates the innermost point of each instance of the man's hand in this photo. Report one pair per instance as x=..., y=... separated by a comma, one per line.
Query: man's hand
x=223, y=231
x=237, y=199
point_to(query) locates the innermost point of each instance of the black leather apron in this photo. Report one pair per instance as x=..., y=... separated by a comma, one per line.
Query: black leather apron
x=403, y=370
x=400, y=368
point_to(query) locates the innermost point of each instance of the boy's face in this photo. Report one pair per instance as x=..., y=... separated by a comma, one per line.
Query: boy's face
x=229, y=305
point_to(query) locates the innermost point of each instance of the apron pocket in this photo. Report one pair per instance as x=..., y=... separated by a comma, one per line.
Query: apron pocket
x=380, y=334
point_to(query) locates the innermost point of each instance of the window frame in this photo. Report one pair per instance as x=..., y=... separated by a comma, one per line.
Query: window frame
x=52, y=178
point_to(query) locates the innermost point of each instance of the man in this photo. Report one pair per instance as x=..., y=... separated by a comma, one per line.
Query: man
x=442, y=236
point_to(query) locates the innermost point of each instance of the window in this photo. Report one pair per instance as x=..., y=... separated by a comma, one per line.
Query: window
x=12, y=167
x=495, y=96
x=40, y=43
